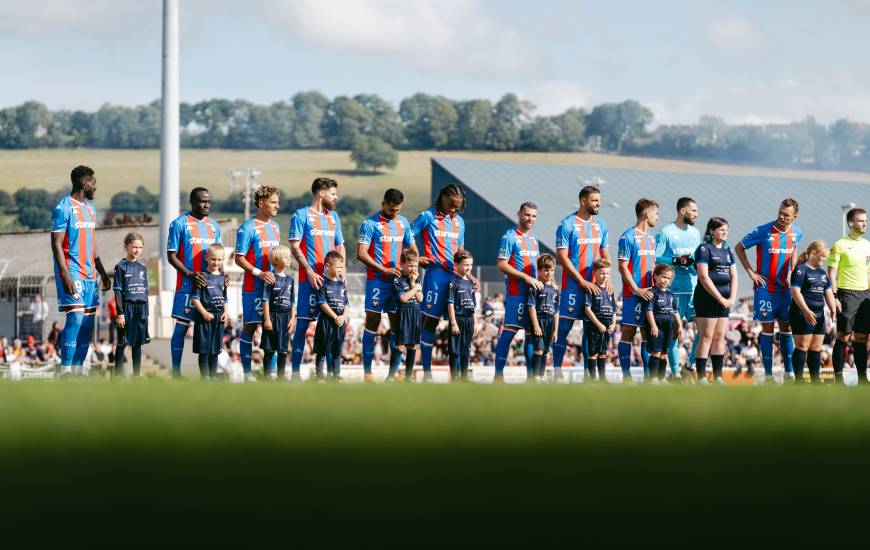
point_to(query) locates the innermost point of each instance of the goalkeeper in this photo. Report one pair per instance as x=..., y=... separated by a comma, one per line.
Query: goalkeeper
x=675, y=245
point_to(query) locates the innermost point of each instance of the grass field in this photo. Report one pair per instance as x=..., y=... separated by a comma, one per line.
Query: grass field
x=292, y=171
x=583, y=455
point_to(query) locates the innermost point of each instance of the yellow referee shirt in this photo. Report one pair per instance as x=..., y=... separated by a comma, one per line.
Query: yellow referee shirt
x=851, y=257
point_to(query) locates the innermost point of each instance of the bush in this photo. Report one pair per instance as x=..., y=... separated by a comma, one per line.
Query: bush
x=34, y=217
x=371, y=153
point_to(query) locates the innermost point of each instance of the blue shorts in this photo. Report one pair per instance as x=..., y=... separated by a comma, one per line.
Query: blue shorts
x=181, y=308
x=87, y=294
x=769, y=306
x=435, y=292
x=632, y=311
x=379, y=296
x=515, y=310
x=306, y=304
x=572, y=302
x=252, y=307
x=685, y=305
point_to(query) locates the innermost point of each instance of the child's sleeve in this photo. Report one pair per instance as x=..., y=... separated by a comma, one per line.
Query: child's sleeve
x=118, y=284
x=532, y=298
x=451, y=292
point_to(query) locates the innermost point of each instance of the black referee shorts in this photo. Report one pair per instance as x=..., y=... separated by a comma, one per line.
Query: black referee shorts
x=855, y=314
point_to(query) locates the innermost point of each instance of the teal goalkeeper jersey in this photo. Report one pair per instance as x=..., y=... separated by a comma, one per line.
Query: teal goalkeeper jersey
x=673, y=242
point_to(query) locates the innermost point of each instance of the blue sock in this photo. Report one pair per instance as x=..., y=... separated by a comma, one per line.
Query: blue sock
x=765, y=345
x=644, y=358
x=691, y=359
x=502, y=349
x=245, y=347
x=624, y=350
x=83, y=339
x=674, y=357
x=273, y=367
x=529, y=351
x=298, y=344
x=427, y=338
x=393, y=351
x=368, y=350
x=176, y=346
x=786, y=349
x=69, y=336
x=565, y=326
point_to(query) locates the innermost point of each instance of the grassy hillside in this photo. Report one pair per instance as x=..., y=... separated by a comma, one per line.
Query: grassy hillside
x=292, y=171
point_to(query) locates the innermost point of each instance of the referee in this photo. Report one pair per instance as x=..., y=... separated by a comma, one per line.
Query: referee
x=849, y=271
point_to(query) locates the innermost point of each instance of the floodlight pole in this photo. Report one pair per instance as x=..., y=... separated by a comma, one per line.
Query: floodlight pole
x=169, y=136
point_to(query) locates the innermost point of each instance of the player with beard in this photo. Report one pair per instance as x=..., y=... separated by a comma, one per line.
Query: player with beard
x=581, y=240
x=517, y=259
x=76, y=265
x=775, y=244
x=675, y=246
x=315, y=231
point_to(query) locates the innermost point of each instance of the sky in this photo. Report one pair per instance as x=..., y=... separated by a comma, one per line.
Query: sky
x=746, y=61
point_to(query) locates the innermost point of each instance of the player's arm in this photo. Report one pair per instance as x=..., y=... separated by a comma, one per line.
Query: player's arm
x=833, y=263
x=740, y=251
x=568, y=267
x=98, y=263
x=362, y=253
x=650, y=319
x=505, y=267
x=265, y=276
x=642, y=293
x=314, y=279
x=198, y=278
x=417, y=227
x=57, y=252
x=832, y=303
x=533, y=314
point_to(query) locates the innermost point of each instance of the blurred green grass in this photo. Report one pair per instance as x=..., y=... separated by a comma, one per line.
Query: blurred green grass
x=356, y=451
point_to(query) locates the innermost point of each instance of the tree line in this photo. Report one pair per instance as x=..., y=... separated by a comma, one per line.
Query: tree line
x=372, y=127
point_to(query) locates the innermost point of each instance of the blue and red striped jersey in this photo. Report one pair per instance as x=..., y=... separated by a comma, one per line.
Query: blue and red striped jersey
x=442, y=235
x=385, y=239
x=585, y=241
x=521, y=252
x=253, y=241
x=77, y=220
x=774, y=251
x=639, y=250
x=318, y=234
x=189, y=239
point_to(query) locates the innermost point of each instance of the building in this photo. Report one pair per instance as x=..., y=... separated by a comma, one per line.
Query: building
x=496, y=189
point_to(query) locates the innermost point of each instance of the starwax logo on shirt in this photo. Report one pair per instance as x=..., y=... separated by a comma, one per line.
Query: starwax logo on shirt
x=269, y=244
x=85, y=225
x=200, y=240
x=322, y=232
x=451, y=234
x=391, y=238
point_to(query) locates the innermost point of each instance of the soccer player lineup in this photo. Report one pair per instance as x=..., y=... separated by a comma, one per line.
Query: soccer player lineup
x=671, y=278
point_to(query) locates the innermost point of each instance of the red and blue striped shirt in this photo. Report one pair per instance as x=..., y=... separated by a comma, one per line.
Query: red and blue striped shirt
x=189, y=239
x=774, y=251
x=385, y=239
x=442, y=235
x=77, y=220
x=521, y=251
x=253, y=241
x=585, y=241
x=318, y=234
x=639, y=250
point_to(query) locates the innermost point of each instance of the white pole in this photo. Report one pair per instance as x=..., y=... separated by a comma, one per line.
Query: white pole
x=169, y=138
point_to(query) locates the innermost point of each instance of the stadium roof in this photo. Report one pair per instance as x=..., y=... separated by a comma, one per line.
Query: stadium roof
x=744, y=200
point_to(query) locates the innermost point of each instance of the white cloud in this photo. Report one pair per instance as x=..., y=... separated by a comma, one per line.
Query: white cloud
x=445, y=36
x=556, y=96
x=735, y=34
x=45, y=17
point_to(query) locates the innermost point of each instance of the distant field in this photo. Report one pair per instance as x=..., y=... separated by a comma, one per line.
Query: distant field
x=292, y=171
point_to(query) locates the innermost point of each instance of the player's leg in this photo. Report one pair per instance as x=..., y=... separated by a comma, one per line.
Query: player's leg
x=624, y=350
x=764, y=312
x=786, y=347
x=434, y=303
x=814, y=357
x=120, y=353
x=83, y=339
x=246, y=349
x=182, y=312
x=514, y=320
x=410, y=359
x=706, y=328
x=717, y=349
x=71, y=328
x=306, y=313
x=375, y=298
x=394, y=331
x=799, y=356
x=569, y=311
x=136, y=356
x=859, y=351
